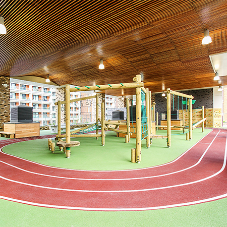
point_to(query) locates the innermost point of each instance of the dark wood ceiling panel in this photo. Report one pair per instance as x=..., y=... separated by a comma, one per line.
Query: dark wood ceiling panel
x=161, y=39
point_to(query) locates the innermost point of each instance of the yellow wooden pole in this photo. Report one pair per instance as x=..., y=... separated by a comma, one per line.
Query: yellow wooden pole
x=190, y=119
x=148, y=121
x=168, y=118
x=153, y=112
x=128, y=119
x=97, y=113
x=150, y=112
x=157, y=118
x=67, y=114
x=203, y=116
x=103, y=123
x=59, y=118
x=133, y=155
x=138, y=121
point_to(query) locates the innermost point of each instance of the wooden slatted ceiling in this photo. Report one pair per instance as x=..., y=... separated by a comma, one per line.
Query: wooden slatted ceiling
x=162, y=39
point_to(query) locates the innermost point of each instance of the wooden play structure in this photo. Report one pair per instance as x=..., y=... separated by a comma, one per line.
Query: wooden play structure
x=101, y=123
x=189, y=97
x=180, y=124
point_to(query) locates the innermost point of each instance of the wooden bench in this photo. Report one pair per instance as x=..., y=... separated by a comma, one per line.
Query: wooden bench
x=67, y=146
x=7, y=134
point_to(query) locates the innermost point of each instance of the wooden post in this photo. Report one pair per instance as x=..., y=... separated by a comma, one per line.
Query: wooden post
x=190, y=119
x=168, y=118
x=67, y=114
x=153, y=112
x=128, y=119
x=203, y=116
x=187, y=136
x=150, y=112
x=138, y=121
x=133, y=155
x=148, y=120
x=126, y=139
x=97, y=113
x=52, y=147
x=49, y=144
x=59, y=118
x=157, y=118
x=103, y=123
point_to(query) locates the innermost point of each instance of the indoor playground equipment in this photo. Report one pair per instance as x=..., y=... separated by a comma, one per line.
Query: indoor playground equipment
x=168, y=125
x=141, y=129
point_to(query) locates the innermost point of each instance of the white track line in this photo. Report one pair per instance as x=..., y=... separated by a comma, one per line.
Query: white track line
x=124, y=191
x=106, y=171
x=123, y=209
x=116, y=209
x=115, y=179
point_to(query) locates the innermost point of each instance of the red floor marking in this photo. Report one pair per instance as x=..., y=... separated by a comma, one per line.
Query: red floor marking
x=197, y=176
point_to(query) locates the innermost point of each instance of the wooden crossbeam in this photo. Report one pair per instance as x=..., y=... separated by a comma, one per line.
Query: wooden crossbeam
x=199, y=122
x=158, y=136
x=107, y=87
x=114, y=123
x=117, y=130
x=81, y=135
x=76, y=100
x=180, y=94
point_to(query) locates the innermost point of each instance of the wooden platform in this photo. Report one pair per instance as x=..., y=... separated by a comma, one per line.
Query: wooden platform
x=21, y=129
x=133, y=130
x=173, y=123
x=7, y=134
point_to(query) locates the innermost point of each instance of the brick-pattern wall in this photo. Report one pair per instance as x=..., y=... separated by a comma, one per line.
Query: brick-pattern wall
x=203, y=97
x=4, y=100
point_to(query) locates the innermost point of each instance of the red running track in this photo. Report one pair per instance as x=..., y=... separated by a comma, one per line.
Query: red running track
x=199, y=175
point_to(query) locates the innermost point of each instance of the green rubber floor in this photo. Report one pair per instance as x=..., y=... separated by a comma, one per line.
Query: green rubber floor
x=115, y=155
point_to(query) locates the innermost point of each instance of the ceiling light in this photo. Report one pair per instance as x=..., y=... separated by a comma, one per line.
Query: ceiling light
x=46, y=69
x=207, y=38
x=220, y=88
x=216, y=76
x=47, y=79
x=219, y=81
x=2, y=26
x=216, y=66
x=163, y=94
x=101, y=66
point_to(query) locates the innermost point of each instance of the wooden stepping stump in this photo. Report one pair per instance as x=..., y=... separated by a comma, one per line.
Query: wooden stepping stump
x=67, y=146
